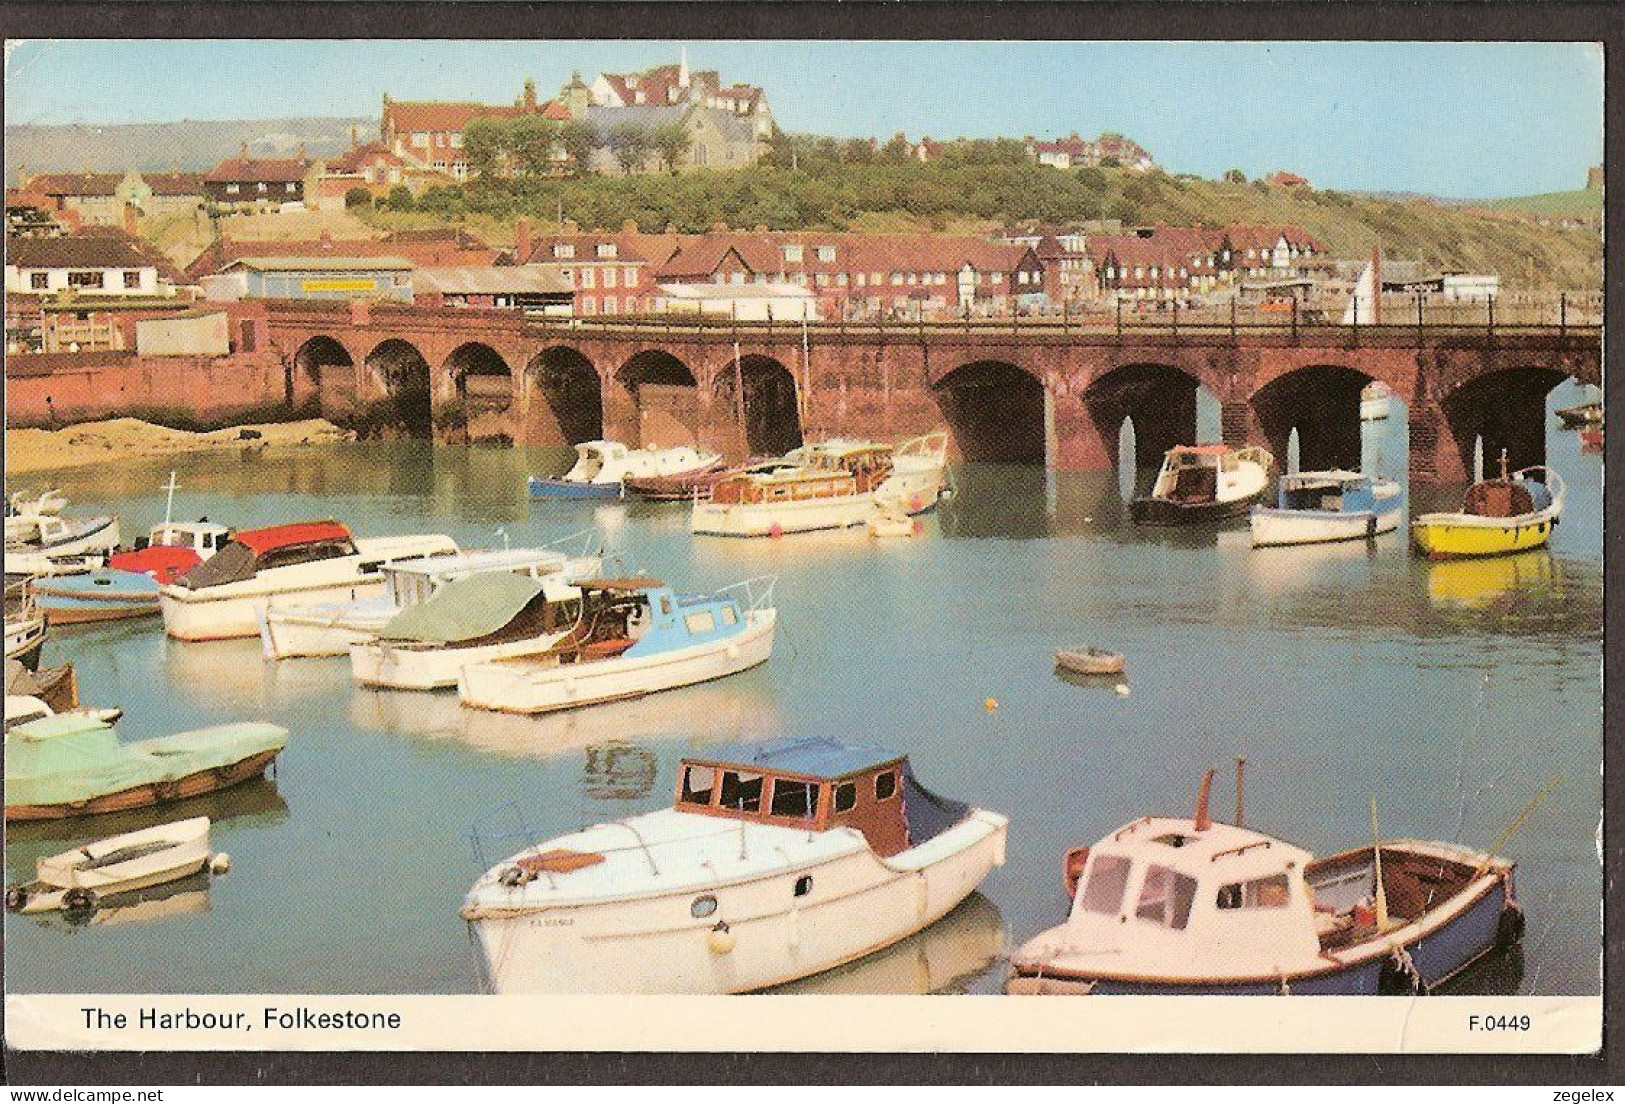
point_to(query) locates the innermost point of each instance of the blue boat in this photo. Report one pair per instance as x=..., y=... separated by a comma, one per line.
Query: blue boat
x=105, y=594
x=565, y=488
x=1319, y=507
x=1168, y=905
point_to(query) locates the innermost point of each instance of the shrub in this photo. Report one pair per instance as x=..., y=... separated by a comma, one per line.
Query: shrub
x=357, y=197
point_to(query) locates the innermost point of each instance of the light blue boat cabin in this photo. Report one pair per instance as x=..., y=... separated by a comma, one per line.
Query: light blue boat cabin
x=639, y=617
x=1337, y=492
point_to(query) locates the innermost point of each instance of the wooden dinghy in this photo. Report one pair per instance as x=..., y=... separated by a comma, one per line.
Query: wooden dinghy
x=82, y=877
x=1089, y=661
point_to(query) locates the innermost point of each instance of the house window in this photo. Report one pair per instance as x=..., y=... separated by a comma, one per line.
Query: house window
x=421, y=139
x=457, y=140
x=609, y=277
x=1108, y=879
x=1166, y=898
x=826, y=253
x=840, y=279
x=698, y=783
x=792, y=798
x=629, y=277
x=233, y=189
x=39, y=281
x=132, y=278
x=589, y=305
x=564, y=249
x=846, y=796
x=885, y=785
x=1258, y=893
x=589, y=277
x=261, y=186
x=85, y=279
x=611, y=304
x=792, y=254
x=741, y=791
x=606, y=250
x=897, y=279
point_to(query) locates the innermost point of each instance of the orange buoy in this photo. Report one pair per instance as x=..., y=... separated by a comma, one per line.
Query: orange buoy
x=990, y=704
x=775, y=530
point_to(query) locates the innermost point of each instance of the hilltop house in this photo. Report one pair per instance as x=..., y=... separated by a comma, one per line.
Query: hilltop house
x=675, y=86
x=245, y=181
x=429, y=133
x=1073, y=152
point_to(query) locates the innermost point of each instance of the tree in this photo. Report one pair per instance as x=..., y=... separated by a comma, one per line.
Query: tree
x=533, y=141
x=1234, y=176
x=400, y=198
x=357, y=197
x=485, y=144
x=898, y=150
x=671, y=142
x=629, y=144
x=580, y=138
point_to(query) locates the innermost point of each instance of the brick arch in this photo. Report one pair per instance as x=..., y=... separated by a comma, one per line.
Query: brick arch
x=401, y=378
x=1321, y=401
x=1158, y=399
x=771, y=401
x=561, y=398
x=320, y=377
x=995, y=410
x=658, y=394
x=1507, y=408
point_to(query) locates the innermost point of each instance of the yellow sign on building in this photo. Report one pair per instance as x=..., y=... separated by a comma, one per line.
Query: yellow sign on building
x=352, y=284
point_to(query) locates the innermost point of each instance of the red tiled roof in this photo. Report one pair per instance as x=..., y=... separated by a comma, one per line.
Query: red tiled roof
x=174, y=184
x=271, y=170
x=76, y=251
x=450, y=117
x=261, y=541
x=23, y=197
x=75, y=184
x=458, y=249
x=647, y=248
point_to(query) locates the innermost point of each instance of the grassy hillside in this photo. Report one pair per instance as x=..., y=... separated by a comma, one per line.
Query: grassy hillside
x=160, y=147
x=1580, y=203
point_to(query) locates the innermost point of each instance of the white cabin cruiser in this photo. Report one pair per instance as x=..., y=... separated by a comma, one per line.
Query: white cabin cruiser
x=50, y=544
x=602, y=467
x=333, y=628
x=282, y=567
x=775, y=862
x=1204, y=483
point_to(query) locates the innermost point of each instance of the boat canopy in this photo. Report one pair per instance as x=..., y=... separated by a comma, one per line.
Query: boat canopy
x=809, y=757
x=265, y=540
x=472, y=607
x=279, y=546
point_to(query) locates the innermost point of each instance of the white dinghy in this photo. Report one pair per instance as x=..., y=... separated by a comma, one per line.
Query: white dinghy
x=84, y=876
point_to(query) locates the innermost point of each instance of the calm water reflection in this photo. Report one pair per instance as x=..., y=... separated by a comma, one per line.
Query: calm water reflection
x=1448, y=691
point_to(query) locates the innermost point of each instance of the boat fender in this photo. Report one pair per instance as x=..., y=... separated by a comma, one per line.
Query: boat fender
x=775, y=530
x=514, y=877
x=1399, y=976
x=733, y=651
x=17, y=897
x=79, y=898
x=1508, y=929
x=720, y=939
x=1371, y=527
x=219, y=863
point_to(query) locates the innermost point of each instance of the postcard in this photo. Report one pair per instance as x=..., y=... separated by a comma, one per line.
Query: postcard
x=999, y=546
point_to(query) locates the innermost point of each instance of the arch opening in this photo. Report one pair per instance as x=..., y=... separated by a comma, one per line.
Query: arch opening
x=321, y=378
x=1320, y=401
x=665, y=395
x=1507, y=409
x=995, y=412
x=771, y=408
x=1157, y=400
x=572, y=403
x=404, y=377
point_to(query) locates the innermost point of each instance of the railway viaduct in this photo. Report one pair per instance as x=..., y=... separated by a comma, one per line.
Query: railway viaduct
x=1022, y=391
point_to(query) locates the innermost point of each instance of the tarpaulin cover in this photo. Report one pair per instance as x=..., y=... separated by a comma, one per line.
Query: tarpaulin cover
x=464, y=609
x=69, y=758
x=928, y=815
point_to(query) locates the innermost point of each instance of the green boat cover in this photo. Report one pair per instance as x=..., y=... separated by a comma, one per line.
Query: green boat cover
x=70, y=758
x=463, y=609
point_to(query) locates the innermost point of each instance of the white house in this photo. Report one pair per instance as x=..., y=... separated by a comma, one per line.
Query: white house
x=101, y=266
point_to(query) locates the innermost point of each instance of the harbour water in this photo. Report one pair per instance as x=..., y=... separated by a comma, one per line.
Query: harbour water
x=1449, y=692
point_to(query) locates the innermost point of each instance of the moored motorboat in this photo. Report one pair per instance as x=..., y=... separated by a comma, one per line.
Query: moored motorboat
x=602, y=468
x=25, y=632
x=85, y=876
x=1166, y=905
x=1498, y=516
x=1204, y=483
x=680, y=487
x=283, y=567
x=1376, y=398
x=1319, y=507
x=73, y=765
x=332, y=629
x=474, y=619
x=52, y=544
x=23, y=510
x=634, y=637
x=1089, y=661
x=829, y=485
x=775, y=862
x=1573, y=417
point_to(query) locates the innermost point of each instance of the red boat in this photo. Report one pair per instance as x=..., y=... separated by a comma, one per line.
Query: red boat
x=679, y=487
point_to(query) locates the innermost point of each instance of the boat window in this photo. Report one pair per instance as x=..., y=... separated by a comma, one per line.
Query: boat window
x=698, y=782
x=1269, y=892
x=804, y=885
x=885, y=785
x=665, y=605
x=1108, y=878
x=702, y=622
x=303, y=553
x=703, y=907
x=729, y=616
x=1166, y=897
x=741, y=791
x=846, y=796
x=795, y=799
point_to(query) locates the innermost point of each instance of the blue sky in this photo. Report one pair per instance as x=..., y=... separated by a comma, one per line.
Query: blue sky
x=1454, y=119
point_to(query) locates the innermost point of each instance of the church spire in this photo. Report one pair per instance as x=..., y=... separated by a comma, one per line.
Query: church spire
x=682, y=69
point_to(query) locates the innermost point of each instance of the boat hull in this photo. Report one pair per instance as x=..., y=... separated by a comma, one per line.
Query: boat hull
x=859, y=904
x=24, y=640
x=1274, y=528
x=559, y=488
x=1450, y=536
x=392, y=668
x=106, y=594
x=1089, y=662
x=1161, y=511
x=312, y=632
x=528, y=687
x=1440, y=955
x=153, y=793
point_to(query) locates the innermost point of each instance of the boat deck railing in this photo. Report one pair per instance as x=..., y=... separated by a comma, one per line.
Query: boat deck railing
x=757, y=591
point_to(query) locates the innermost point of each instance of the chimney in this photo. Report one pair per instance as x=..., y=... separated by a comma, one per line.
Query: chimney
x=242, y=151
x=530, y=94
x=355, y=136
x=302, y=156
x=129, y=219
x=1376, y=284
x=521, y=240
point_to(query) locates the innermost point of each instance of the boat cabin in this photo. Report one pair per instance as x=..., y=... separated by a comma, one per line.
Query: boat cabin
x=49, y=530
x=475, y=611
x=410, y=582
x=642, y=616
x=593, y=457
x=1196, y=473
x=1506, y=498
x=254, y=550
x=1338, y=492
x=172, y=549
x=819, y=785
x=783, y=484
x=202, y=536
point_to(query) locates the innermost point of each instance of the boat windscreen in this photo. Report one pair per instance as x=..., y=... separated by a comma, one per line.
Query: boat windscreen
x=232, y=564
x=928, y=814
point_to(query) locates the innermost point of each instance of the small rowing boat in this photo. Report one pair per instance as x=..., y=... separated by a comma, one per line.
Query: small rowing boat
x=1498, y=516
x=83, y=877
x=1089, y=661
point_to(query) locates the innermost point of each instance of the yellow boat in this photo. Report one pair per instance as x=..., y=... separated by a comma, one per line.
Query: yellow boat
x=1500, y=516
